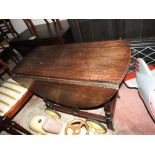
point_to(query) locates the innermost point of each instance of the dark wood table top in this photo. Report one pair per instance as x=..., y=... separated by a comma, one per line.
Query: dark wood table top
x=104, y=61
x=45, y=33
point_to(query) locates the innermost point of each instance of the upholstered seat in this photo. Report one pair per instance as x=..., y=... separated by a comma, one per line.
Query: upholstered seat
x=10, y=93
x=12, y=97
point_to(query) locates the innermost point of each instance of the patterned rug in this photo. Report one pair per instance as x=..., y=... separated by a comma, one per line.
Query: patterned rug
x=36, y=107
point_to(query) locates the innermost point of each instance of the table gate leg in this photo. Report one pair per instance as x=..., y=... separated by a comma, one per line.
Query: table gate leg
x=108, y=114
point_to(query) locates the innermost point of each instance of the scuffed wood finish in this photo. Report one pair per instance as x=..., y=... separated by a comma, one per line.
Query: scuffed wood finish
x=100, y=61
x=69, y=94
x=79, y=75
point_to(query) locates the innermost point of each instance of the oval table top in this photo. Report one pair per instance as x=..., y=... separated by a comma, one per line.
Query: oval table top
x=98, y=62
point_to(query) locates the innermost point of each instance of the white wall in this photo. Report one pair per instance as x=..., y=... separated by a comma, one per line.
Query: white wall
x=20, y=26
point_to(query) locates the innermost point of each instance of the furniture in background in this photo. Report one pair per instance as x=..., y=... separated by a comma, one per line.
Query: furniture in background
x=77, y=76
x=6, y=28
x=7, y=31
x=57, y=21
x=47, y=34
x=4, y=68
x=31, y=27
x=6, y=51
x=33, y=30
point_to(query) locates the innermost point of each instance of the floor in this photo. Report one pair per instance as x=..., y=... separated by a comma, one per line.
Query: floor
x=131, y=115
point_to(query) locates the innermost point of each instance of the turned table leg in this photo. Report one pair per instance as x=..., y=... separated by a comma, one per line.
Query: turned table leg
x=108, y=115
x=109, y=108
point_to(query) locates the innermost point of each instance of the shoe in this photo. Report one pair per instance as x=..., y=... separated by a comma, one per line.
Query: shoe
x=46, y=125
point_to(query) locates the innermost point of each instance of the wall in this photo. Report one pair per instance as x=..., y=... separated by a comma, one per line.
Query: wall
x=85, y=30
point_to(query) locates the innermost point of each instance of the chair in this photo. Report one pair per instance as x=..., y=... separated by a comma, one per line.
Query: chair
x=6, y=31
x=6, y=28
x=6, y=51
x=13, y=96
x=33, y=29
x=4, y=68
x=56, y=22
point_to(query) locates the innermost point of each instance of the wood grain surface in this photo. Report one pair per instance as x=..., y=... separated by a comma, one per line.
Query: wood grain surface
x=105, y=61
x=82, y=75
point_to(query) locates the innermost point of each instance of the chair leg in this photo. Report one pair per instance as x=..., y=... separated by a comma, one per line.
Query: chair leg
x=20, y=128
x=59, y=24
x=12, y=127
x=46, y=21
x=14, y=54
x=29, y=26
x=33, y=27
x=13, y=59
x=12, y=131
x=4, y=127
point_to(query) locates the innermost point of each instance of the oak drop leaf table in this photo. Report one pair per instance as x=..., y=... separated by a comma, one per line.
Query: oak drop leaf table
x=73, y=77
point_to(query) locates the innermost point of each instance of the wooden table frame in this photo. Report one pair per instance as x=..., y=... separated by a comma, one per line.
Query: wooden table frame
x=76, y=77
x=109, y=108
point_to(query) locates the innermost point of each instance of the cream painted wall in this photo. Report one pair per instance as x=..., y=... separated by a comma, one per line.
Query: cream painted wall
x=20, y=26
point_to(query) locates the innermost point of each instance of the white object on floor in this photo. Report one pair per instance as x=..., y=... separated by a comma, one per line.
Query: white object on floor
x=38, y=125
x=144, y=80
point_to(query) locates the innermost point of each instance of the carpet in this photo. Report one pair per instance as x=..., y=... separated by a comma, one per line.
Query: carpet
x=131, y=115
x=36, y=106
x=130, y=118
